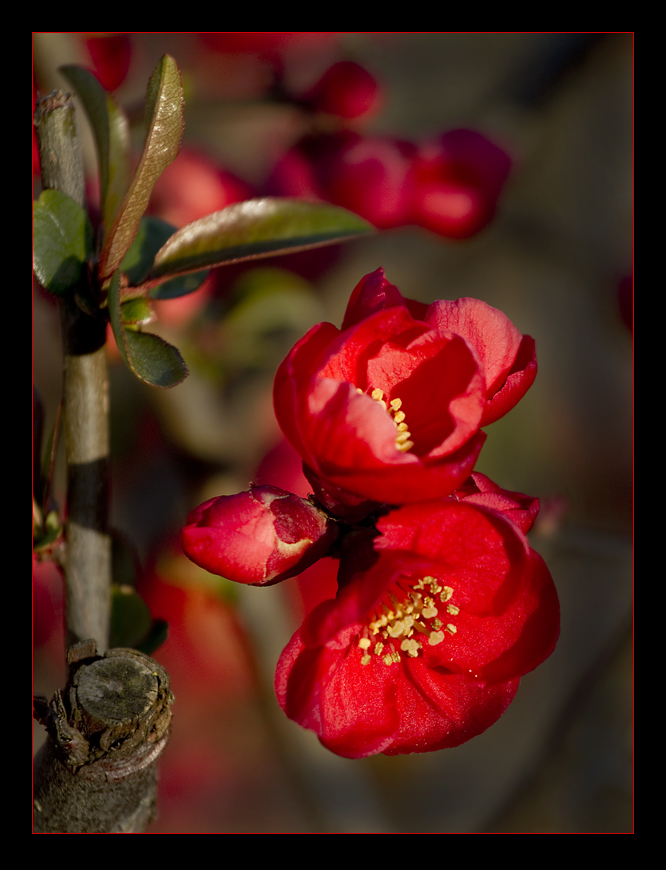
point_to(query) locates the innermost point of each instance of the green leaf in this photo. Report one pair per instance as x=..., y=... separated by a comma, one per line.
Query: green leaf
x=152, y=235
x=120, y=161
x=182, y=285
x=63, y=241
x=111, y=132
x=164, y=130
x=93, y=96
x=137, y=312
x=252, y=229
x=152, y=359
x=130, y=617
x=159, y=632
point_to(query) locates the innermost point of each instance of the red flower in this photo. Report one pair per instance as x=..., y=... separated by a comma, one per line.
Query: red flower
x=371, y=176
x=425, y=644
x=258, y=537
x=457, y=181
x=449, y=186
x=346, y=90
x=111, y=55
x=368, y=175
x=389, y=408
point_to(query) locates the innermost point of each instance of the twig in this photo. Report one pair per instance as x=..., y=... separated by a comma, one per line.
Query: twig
x=86, y=404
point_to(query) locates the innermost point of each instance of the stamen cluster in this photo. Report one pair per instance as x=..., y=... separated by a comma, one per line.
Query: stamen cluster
x=413, y=617
x=402, y=441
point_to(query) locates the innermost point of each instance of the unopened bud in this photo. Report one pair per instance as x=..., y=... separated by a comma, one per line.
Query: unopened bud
x=259, y=537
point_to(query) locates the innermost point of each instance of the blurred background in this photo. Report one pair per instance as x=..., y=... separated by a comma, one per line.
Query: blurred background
x=553, y=251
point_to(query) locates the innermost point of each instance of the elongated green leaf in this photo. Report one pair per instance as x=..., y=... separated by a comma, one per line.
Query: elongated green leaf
x=164, y=122
x=252, y=229
x=111, y=132
x=152, y=235
x=120, y=163
x=63, y=241
x=152, y=359
x=93, y=97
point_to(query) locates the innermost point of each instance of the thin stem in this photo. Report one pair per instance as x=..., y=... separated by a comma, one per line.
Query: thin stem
x=86, y=404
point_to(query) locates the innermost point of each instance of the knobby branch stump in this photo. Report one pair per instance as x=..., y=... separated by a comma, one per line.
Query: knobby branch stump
x=106, y=730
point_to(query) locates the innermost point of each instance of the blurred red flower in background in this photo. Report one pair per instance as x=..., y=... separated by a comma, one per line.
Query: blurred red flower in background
x=346, y=90
x=368, y=175
x=450, y=186
x=111, y=54
x=194, y=186
x=457, y=180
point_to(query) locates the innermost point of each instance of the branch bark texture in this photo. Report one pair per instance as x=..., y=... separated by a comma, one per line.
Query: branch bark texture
x=97, y=771
x=86, y=403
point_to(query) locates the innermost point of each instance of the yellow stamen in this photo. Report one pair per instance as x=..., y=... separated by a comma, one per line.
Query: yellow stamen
x=403, y=441
x=405, y=614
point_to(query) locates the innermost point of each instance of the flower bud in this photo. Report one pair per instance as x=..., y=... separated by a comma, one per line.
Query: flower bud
x=347, y=90
x=456, y=183
x=111, y=56
x=369, y=175
x=258, y=537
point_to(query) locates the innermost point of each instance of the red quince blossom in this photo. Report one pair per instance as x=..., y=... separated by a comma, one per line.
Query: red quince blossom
x=368, y=175
x=259, y=537
x=450, y=186
x=346, y=90
x=389, y=408
x=371, y=176
x=432, y=628
x=456, y=183
x=111, y=55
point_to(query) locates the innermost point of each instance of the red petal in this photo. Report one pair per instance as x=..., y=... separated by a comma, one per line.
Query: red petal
x=325, y=690
x=519, y=380
x=440, y=710
x=372, y=293
x=520, y=509
x=490, y=332
x=293, y=376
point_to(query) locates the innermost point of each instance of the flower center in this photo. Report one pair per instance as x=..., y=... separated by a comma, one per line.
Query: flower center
x=408, y=618
x=402, y=439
